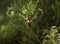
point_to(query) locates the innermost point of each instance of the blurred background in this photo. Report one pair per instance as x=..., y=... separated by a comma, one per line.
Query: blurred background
x=29, y=21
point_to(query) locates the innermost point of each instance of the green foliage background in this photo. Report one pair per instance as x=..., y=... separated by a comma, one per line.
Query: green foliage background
x=44, y=27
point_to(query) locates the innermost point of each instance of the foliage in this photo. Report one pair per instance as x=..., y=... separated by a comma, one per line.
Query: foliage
x=30, y=22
